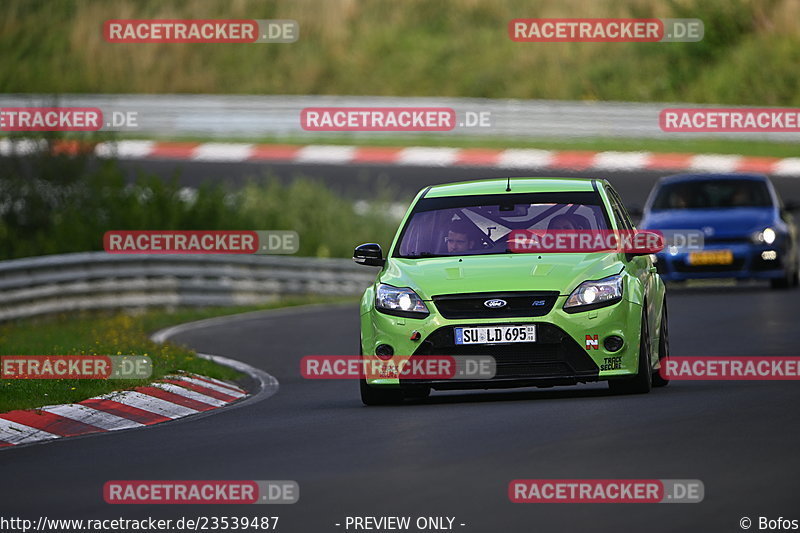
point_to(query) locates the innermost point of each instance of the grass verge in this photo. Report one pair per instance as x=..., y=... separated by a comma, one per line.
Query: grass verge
x=748, y=55
x=102, y=333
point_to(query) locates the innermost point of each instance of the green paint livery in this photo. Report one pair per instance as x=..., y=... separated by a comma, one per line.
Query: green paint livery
x=572, y=354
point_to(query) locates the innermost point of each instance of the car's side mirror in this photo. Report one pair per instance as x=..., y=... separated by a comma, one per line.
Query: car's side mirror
x=629, y=256
x=369, y=254
x=791, y=206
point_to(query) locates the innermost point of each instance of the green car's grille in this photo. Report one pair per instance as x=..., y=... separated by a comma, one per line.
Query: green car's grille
x=514, y=304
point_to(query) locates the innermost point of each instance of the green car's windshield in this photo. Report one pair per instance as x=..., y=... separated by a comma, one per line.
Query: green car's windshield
x=480, y=225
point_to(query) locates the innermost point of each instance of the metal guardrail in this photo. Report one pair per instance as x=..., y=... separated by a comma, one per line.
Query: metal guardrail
x=97, y=280
x=251, y=117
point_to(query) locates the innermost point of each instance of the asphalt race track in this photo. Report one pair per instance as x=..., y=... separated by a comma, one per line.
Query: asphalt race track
x=455, y=454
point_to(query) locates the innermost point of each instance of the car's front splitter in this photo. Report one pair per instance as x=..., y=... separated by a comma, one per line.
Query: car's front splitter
x=747, y=263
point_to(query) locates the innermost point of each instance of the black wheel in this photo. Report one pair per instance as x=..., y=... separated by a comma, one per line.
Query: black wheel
x=642, y=382
x=416, y=392
x=377, y=395
x=781, y=283
x=789, y=280
x=663, y=347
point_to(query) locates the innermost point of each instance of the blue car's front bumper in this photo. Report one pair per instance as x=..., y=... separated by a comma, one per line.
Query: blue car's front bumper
x=749, y=262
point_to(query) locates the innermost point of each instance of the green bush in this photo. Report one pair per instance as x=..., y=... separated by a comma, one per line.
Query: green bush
x=65, y=203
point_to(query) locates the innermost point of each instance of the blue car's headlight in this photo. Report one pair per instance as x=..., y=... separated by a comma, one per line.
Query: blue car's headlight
x=593, y=294
x=400, y=301
x=765, y=236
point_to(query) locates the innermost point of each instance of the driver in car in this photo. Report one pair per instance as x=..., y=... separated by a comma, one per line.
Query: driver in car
x=458, y=237
x=568, y=222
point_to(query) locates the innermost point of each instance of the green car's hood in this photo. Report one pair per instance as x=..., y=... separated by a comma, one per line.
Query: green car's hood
x=502, y=272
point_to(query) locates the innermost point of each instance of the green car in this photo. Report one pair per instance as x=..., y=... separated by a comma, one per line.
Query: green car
x=451, y=285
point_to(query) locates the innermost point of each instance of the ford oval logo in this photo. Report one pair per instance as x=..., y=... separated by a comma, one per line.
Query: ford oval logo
x=495, y=304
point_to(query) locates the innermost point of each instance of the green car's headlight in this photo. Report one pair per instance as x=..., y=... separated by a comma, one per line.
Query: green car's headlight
x=593, y=294
x=400, y=301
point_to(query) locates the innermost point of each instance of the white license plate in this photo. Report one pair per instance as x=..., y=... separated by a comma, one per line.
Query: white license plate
x=495, y=334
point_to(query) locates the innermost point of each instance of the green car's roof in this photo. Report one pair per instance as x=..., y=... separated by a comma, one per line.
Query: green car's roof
x=498, y=186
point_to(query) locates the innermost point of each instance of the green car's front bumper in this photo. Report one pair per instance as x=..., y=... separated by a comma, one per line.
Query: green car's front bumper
x=569, y=347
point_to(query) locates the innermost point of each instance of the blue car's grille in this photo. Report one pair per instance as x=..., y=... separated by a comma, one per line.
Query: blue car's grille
x=727, y=240
x=683, y=267
x=758, y=264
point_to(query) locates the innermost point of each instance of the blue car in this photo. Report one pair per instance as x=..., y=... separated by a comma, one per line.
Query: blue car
x=747, y=232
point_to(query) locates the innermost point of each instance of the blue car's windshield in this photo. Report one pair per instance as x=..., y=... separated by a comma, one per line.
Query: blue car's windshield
x=480, y=225
x=712, y=194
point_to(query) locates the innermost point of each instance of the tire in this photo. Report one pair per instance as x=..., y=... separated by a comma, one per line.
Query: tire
x=642, y=382
x=663, y=347
x=780, y=283
x=377, y=395
x=416, y=392
x=789, y=280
